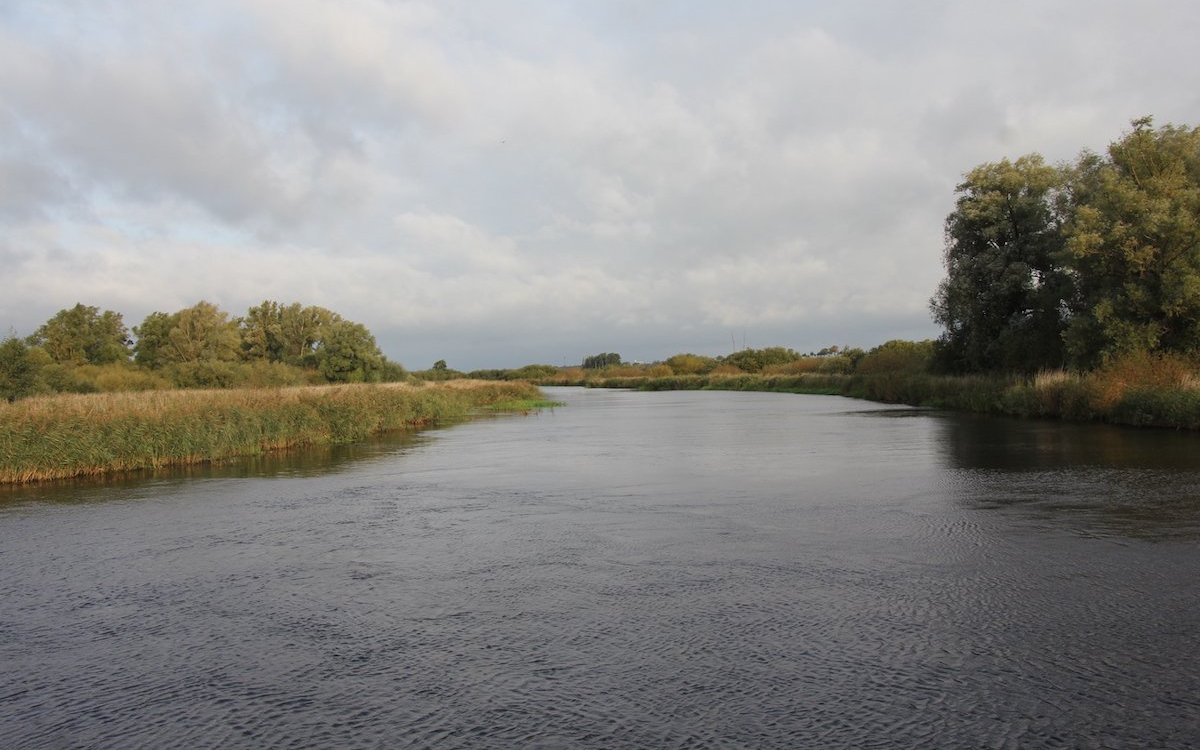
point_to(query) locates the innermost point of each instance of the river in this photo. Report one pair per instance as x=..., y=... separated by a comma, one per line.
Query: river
x=657, y=570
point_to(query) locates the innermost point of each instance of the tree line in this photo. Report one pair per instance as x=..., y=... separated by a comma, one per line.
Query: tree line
x=85, y=349
x=1075, y=265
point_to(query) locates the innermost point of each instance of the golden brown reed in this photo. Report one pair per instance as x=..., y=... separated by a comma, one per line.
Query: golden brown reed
x=54, y=437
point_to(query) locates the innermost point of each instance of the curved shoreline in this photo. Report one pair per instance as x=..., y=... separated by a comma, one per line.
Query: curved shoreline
x=1071, y=397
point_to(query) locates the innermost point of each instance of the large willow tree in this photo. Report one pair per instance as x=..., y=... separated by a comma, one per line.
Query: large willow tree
x=1001, y=303
x=84, y=335
x=1134, y=244
x=1078, y=264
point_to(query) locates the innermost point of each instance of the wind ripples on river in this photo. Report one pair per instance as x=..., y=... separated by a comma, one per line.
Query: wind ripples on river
x=635, y=570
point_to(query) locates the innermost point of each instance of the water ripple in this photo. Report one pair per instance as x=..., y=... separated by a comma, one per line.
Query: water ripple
x=509, y=584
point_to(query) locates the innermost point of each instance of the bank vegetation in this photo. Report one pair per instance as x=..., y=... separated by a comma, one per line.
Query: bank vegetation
x=1143, y=391
x=73, y=435
x=1071, y=291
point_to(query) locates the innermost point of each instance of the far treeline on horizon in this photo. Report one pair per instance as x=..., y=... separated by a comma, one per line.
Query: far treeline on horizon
x=1074, y=266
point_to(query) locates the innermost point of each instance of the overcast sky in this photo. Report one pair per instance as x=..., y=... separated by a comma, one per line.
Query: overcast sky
x=497, y=183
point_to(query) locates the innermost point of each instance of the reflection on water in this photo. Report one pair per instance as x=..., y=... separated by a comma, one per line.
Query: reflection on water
x=634, y=570
x=309, y=461
x=1092, y=478
x=979, y=442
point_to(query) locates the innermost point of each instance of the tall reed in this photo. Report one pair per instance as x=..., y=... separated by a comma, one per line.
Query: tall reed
x=1157, y=391
x=55, y=437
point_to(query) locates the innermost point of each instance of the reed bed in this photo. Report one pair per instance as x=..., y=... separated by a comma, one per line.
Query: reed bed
x=1154, y=391
x=63, y=436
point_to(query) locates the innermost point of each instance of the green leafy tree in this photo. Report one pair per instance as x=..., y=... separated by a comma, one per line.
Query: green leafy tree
x=754, y=360
x=532, y=372
x=347, y=353
x=261, y=331
x=1134, y=243
x=392, y=372
x=84, y=335
x=18, y=370
x=690, y=364
x=153, y=339
x=1002, y=301
x=284, y=333
x=202, y=332
x=600, y=361
x=301, y=330
x=897, y=356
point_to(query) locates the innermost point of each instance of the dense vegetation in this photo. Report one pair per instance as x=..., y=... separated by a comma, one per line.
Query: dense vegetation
x=1077, y=265
x=1071, y=290
x=86, y=350
x=68, y=435
x=1159, y=390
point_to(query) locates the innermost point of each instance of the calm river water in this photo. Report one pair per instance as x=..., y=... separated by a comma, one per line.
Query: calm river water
x=651, y=570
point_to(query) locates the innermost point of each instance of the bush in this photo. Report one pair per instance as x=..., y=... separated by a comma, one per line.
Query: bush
x=121, y=376
x=690, y=364
x=209, y=373
x=1159, y=407
x=19, y=370
x=797, y=366
x=1140, y=370
x=897, y=356
x=727, y=370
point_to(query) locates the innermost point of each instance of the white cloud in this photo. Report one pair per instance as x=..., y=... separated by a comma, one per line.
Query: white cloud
x=475, y=181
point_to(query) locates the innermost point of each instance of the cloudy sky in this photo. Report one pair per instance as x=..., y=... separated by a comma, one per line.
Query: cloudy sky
x=496, y=183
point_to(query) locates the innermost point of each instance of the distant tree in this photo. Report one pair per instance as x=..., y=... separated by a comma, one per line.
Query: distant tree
x=440, y=365
x=347, y=353
x=83, y=335
x=152, y=339
x=690, y=364
x=1002, y=302
x=600, y=361
x=754, y=360
x=746, y=360
x=392, y=372
x=301, y=330
x=18, y=371
x=283, y=333
x=897, y=356
x=202, y=332
x=532, y=372
x=852, y=354
x=1135, y=246
x=261, y=331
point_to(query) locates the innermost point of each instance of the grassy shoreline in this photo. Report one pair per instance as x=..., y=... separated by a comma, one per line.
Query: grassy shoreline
x=65, y=436
x=1171, y=400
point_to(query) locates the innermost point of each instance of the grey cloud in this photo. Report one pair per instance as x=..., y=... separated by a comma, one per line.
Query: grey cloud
x=498, y=182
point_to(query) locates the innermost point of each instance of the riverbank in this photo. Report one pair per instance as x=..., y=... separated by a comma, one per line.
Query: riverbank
x=1163, y=398
x=64, y=436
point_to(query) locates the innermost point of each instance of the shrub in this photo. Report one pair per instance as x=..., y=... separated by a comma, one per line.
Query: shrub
x=897, y=356
x=797, y=366
x=690, y=364
x=727, y=370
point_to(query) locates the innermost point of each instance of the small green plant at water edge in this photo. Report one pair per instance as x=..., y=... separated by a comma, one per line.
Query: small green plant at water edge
x=523, y=405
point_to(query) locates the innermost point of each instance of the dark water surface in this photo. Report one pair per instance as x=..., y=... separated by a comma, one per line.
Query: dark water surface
x=633, y=570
